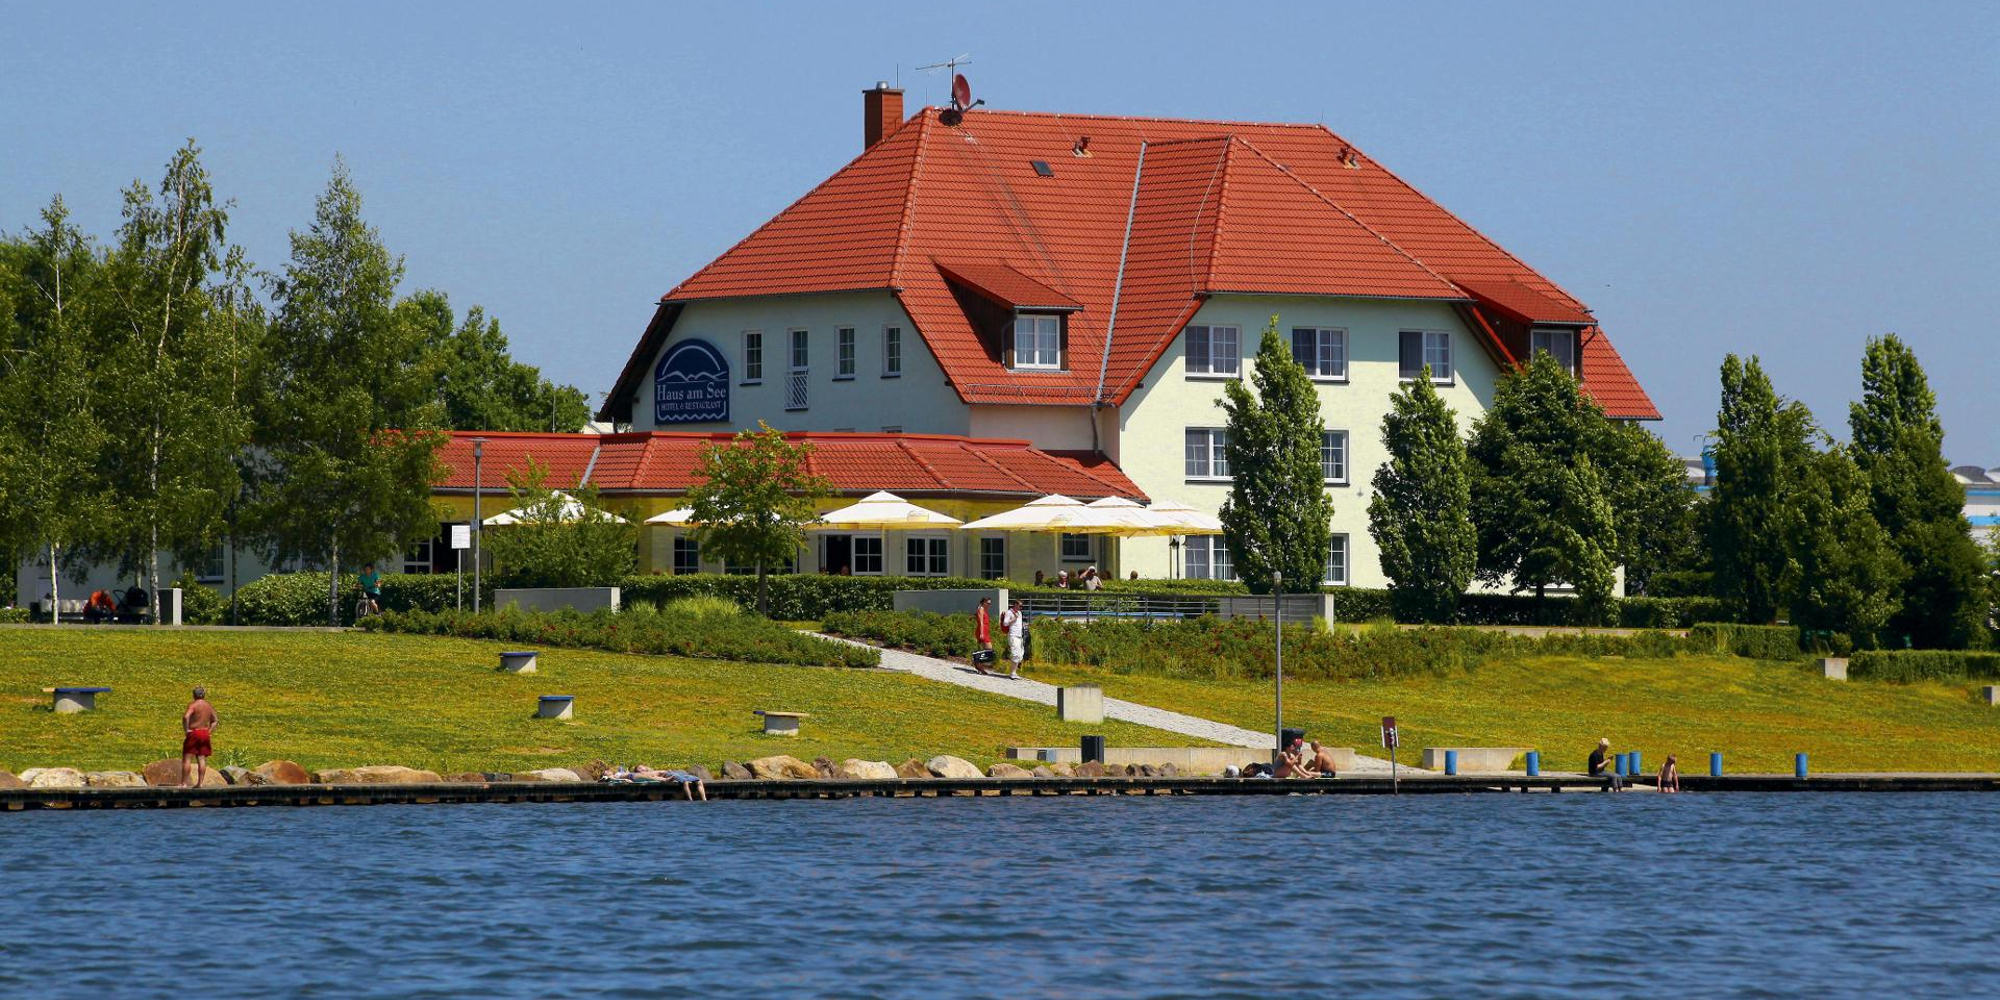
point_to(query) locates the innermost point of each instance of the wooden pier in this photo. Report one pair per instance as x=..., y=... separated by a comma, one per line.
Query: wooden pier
x=16, y=799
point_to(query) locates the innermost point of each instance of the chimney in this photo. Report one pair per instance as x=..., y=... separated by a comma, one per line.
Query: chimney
x=881, y=112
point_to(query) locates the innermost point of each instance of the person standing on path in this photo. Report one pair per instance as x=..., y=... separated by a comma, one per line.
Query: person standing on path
x=1016, y=625
x=983, y=619
x=196, y=724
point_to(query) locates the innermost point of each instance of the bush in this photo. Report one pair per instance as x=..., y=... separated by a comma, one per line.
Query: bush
x=200, y=604
x=704, y=606
x=949, y=637
x=794, y=596
x=13, y=616
x=744, y=638
x=300, y=598
x=1903, y=666
x=1758, y=642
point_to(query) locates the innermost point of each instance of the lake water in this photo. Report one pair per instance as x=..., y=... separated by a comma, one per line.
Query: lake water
x=1419, y=896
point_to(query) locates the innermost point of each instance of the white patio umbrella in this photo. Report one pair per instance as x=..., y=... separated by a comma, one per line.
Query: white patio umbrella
x=568, y=509
x=1174, y=518
x=1054, y=512
x=885, y=511
x=679, y=516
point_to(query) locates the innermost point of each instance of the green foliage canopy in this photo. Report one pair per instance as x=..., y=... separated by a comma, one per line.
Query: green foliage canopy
x=1277, y=515
x=562, y=538
x=1421, y=513
x=753, y=500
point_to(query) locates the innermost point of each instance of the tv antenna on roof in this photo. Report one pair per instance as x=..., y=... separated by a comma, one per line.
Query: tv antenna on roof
x=961, y=91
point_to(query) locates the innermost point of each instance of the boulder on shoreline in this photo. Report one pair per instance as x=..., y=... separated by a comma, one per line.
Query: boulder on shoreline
x=9, y=779
x=548, y=774
x=1061, y=770
x=236, y=775
x=856, y=769
x=1042, y=771
x=782, y=767
x=732, y=771
x=912, y=768
x=375, y=774
x=53, y=777
x=280, y=772
x=166, y=773
x=114, y=779
x=824, y=767
x=1006, y=770
x=1090, y=769
x=699, y=771
x=468, y=778
x=945, y=765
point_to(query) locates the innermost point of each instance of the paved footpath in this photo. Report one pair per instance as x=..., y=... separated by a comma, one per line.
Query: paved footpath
x=949, y=672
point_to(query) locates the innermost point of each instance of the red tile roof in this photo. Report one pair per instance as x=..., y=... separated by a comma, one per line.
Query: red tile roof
x=1218, y=207
x=914, y=465
x=1005, y=285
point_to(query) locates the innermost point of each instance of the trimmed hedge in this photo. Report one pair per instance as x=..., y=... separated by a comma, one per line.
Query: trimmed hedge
x=707, y=636
x=12, y=616
x=1357, y=604
x=201, y=604
x=300, y=598
x=1903, y=666
x=1758, y=642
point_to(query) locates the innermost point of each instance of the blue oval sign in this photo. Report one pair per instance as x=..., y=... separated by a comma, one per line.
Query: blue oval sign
x=691, y=384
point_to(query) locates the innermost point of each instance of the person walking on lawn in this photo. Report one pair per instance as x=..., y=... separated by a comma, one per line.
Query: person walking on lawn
x=1016, y=625
x=983, y=619
x=196, y=724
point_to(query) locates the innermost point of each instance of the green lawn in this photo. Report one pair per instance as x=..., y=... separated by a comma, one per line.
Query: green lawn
x=347, y=699
x=1757, y=713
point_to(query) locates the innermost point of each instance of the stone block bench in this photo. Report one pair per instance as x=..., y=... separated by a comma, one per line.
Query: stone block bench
x=69, y=700
x=1475, y=760
x=518, y=662
x=556, y=706
x=780, y=723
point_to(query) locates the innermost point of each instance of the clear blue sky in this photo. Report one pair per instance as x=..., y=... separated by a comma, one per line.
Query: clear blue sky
x=1778, y=179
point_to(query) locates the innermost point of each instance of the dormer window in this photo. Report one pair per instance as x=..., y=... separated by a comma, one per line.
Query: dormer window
x=1037, y=341
x=1560, y=345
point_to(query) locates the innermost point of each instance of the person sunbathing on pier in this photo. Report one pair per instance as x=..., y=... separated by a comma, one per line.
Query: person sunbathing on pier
x=691, y=785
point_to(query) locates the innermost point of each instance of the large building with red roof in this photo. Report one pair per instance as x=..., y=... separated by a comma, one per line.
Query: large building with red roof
x=1086, y=283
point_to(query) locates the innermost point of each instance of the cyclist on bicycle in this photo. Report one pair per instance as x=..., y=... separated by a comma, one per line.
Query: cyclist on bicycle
x=371, y=589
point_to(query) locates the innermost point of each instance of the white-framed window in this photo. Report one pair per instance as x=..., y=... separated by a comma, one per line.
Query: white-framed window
x=892, y=351
x=867, y=555
x=753, y=357
x=926, y=555
x=1418, y=348
x=1078, y=548
x=1037, y=340
x=1333, y=457
x=750, y=569
x=687, y=555
x=1322, y=350
x=416, y=560
x=844, y=353
x=1207, y=558
x=213, y=564
x=1214, y=350
x=1207, y=453
x=799, y=378
x=1560, y=345
x=993, y=557
x=1336, y=562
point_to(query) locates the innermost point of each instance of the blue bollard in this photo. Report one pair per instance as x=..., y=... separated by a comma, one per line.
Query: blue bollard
x=1451, y=762
x=1715, y=764
x=1799, y=766
x=1637, y=767
x=1618, y=764
x=1534, y=763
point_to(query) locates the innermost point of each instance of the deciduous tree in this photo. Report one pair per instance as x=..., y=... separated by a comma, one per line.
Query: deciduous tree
x=480, y=384
x=1763, y=448
x=753, y=499
x=1277, y=515
x=563, y=538
x=1899, y=444
x=1421, y=513
x=1844, y=575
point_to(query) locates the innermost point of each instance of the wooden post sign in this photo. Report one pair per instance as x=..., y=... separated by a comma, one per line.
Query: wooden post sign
x=1389, y=741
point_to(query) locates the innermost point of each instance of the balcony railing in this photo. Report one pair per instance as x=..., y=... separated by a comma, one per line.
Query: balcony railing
x=795, y=391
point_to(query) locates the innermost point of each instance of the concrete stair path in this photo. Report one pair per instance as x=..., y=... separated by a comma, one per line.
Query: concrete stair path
x=949, y=672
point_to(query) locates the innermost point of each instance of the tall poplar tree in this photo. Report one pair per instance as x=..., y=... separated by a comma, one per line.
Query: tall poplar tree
x=1540, y=500
x=171, y=363
x=1421, y=514
x=51, y=435
x=1762, y=450
x=1277, y=515
x=350, y=412
x=1844, y=573
x=1899, y=444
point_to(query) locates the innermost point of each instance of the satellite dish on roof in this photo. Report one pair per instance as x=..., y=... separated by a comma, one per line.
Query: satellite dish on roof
x=961, y=92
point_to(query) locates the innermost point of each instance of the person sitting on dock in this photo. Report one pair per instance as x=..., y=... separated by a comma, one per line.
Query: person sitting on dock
x=1292, y=762
x=1670, y=775
x=1322, y=761
x=1598, y=764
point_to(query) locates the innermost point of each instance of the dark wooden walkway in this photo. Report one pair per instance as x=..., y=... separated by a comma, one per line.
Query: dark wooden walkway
x=15, y=799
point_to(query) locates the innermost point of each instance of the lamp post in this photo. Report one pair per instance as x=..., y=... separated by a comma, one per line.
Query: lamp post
x=478, y=459
x=1278, y=626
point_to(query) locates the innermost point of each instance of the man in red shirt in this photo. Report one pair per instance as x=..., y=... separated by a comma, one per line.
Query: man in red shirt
x=984, y=619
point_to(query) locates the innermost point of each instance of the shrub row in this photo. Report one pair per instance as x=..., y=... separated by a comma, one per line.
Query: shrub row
x=11, y=616
x=709, y=636
x=300, y=598
x=1903, y=666
x=1758, y=642
x=946, y=636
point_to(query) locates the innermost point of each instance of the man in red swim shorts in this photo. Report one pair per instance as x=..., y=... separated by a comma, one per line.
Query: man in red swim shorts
x=196, y=723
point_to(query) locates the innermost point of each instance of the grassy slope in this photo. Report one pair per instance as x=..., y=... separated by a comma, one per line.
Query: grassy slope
x=1757, y=713
x=329, y=699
